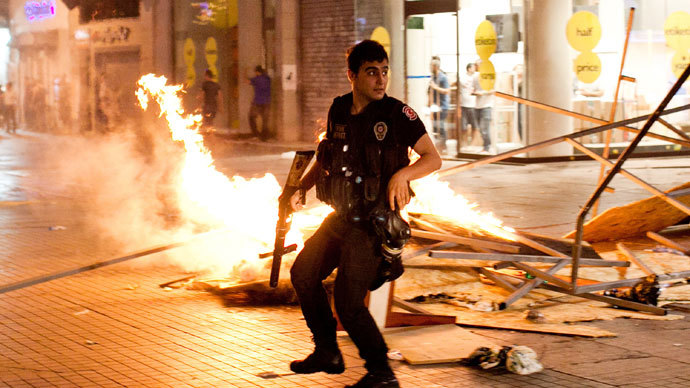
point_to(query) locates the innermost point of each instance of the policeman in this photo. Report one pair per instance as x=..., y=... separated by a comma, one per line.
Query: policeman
x=363, y=171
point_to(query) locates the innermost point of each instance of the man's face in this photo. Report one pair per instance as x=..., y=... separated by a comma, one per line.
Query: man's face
x=371, y=80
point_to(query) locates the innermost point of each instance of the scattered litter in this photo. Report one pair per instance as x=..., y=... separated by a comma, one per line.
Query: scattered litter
x=517, y=359
x=523, y=361
x=662, y=249
x=272, y=375
x=535, y=316
x=646, y=291
x=677, y=344
x=395, y=355
x=168, y=288
x=89, y=342
x=132, y=287
x=57, y=227
x=82, y=312
x=471, y=302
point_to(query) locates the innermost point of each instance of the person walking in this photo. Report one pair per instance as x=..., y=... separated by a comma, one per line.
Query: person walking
x=363, y=171
x=485, y=101
x=468, y=103
x=212, y=100
x=439, y=101
x=261, y=104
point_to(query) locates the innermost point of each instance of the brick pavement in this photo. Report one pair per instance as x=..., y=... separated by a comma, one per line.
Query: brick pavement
x=114, y=327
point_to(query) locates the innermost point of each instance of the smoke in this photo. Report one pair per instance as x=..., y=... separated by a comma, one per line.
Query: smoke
x=138, y=188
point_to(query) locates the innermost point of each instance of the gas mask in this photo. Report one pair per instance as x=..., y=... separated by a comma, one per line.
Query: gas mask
x=393, y=232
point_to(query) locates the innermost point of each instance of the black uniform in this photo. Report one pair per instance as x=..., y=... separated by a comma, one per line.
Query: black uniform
x=358, y=157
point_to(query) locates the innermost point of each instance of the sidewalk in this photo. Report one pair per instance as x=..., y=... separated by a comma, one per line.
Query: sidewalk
x=114, y=326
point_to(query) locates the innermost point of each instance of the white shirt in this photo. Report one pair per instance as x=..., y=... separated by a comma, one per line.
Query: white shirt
x=467, y=99
x=483, y=100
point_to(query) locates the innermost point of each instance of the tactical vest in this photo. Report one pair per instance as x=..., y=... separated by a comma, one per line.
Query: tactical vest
x=359, y=156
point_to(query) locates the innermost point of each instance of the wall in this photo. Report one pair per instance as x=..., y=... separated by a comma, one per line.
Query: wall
x=327, y=30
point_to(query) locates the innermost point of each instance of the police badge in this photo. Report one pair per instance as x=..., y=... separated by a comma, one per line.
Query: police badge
x=380, y=130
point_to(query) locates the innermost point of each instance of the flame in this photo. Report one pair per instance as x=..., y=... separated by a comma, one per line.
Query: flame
x=247, y=208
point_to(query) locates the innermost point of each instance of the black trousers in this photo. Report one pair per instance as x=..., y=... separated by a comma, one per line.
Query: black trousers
x=352, y=249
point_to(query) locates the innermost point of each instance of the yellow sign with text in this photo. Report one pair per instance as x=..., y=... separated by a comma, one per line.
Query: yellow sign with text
x=485, y=39
x=211, y=51
x=679, y=62
x=487, y=74
x=677, y=31
x=189, y=54
x=380, y=34
x=583, y=31
x=587, y=67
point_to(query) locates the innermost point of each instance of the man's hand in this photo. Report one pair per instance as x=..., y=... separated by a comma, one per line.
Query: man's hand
x=296, y=201
x=398, y=190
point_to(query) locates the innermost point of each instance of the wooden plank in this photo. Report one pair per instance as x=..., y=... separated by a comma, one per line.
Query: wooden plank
x=634, y=219
x=669, y=243
x=411, y=307
x=472, y=242
x=499, y=280
x=524, y=325
x=435, y=344
x=682, y=307
x=526, y=258
x=631, y=256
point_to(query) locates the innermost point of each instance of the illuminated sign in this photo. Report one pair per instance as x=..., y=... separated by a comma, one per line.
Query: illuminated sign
x=39, y=10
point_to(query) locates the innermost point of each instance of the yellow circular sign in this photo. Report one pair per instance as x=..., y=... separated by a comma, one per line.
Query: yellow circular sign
x=189, y=51
x=380, y=34
x=583, y=31
x=679, y=62
x=677, y=30
x=487, y=74
x=485, y=39
x=587, y=67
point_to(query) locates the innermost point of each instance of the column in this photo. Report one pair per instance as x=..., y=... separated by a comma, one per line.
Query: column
x=288, y=118
x=250, y=53
x=548, y=73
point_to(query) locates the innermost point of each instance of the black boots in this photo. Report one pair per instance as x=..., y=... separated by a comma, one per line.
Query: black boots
x=322, y=360
x=383, y=379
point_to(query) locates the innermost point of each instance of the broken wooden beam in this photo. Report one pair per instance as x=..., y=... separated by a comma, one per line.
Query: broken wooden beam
x=472, y=242
x=669, y=243
x=525, y=258
x=610, y=300
x=529, y=286
x=631, y=256
x=630, y=282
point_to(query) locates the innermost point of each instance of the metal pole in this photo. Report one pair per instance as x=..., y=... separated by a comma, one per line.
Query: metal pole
x=614, y=104
x=577, y=248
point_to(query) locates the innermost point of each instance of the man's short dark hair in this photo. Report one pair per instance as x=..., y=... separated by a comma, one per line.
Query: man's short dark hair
x=471, y=64
x=365, y=51
x=259, y=69
x=209, y=73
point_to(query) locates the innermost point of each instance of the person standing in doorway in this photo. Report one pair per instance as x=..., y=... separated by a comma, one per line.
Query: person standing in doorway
x=261, y=104
x=212, y=100
x=468, y=103
x=10, y=101
x=485, y=101
x=363, y=171
x=439, y=101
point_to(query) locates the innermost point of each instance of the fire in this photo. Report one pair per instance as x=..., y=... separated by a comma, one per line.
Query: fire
x=433, y=196
x=247, y=208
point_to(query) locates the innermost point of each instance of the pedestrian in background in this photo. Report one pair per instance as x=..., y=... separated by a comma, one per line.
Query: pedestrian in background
x=439, y=101
x=212, y=100
x=485, y=101
x=468, y=104
x=261, y=104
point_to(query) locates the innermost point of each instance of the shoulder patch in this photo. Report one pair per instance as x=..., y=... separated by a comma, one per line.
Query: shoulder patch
x=409, y=112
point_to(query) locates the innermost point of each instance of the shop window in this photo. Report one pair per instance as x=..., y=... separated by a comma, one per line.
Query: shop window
x=108, y=9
